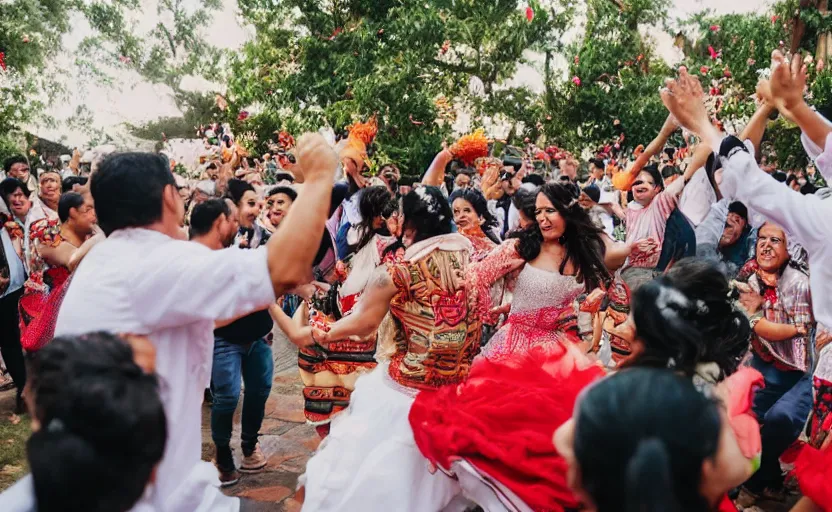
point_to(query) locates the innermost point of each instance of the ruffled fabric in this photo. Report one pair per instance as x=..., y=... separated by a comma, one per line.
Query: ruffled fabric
x=502, y=421
x=739, y=397
x=813, y=469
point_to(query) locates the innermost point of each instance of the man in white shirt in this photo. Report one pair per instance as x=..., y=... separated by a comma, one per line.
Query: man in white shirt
x=143, y=279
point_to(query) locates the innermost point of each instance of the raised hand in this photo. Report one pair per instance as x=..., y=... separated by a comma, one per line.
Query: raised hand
x=788, y=82
x=316, y=158
x=683, y=98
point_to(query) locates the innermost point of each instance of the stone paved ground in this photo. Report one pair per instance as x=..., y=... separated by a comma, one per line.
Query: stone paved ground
x=285, y=438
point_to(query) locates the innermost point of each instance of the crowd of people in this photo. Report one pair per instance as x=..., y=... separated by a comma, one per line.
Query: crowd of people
x=494, y=334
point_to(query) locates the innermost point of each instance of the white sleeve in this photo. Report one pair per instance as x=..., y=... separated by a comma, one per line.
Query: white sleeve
x=821, y=156
x=709, y=231
x=808, y=218
x=185, y=282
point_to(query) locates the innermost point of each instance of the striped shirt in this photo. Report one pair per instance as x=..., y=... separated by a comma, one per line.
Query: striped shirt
x=650, y=222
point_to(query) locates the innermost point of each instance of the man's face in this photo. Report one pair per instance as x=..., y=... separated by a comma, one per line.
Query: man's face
x=278, y=206
x=508, y=182
x=568, y=167
x=19, y=204
x=645, y=188
x=597, y=172
x=20, y=171
x=772, y=251
x=229, y=225
x=462, y=181
x=84, y=216
x=734, y=226
x=50, y=186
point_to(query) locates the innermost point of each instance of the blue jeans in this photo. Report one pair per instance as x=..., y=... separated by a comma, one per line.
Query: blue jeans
x=254, y=364
x=782, y=408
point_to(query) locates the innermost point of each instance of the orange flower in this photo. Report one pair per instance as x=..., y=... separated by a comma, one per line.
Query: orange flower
x=470, y=147
x=365, y=132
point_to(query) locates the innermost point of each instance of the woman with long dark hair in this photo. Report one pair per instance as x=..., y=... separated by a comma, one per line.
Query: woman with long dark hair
x=559, y=257
x=474, y=221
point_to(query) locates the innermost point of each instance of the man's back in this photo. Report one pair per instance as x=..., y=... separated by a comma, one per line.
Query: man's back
x=143, y=282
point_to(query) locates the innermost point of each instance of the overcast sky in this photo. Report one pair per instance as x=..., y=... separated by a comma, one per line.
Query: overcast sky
x=136, y=101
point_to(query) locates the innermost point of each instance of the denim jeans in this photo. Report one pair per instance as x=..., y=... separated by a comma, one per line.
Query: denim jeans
x=782, y=407
x=253, y=364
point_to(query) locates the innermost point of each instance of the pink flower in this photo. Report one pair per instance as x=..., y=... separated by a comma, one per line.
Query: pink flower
x=576, y=81
x=726, y=72
x=529, y=13
x=704, y=70
x=714, y=28
x=782, y=44
x=242, y=116
x=124, y=59
x=714, y=53
x=775, y=18
x=750, y=62
x=25, y=39
x=445, y=46
x=3, y=60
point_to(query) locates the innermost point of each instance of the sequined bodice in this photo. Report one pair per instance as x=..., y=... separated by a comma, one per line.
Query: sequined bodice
x=538, y=288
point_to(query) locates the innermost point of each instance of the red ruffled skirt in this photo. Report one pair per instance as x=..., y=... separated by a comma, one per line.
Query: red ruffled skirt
x=502, y=421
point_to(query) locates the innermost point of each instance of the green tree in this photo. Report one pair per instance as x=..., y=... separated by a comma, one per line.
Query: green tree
x=313, y=65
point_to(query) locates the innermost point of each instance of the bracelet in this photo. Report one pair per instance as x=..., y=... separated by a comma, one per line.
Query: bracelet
x=315, y=342
x=756, y=317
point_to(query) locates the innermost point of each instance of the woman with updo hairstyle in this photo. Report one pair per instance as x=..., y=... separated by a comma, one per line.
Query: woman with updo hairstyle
x=474, y=221
x=370, y=461
x=688, y=321
x=646, y=440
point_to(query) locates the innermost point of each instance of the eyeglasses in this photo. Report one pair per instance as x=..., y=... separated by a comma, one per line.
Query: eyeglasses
x=642, y=182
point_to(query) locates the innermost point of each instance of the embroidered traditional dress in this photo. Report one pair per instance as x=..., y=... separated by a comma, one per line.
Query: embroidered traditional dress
x=370, y=461
x=329, y=377
x=543, y=309
x=43, y=278
x=482, y=244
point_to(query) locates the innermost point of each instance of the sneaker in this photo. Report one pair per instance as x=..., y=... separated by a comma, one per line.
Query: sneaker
x=229, y=476
x=254, y=462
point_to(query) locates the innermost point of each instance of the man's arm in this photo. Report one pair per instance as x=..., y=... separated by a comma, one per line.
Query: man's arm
x=710, y=230
x=772, y=331
x=292, y=249
x=756, y=127
x=369, y=312
x=655, y=146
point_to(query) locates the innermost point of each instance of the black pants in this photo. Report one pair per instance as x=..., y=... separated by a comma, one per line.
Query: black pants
x=10, y=339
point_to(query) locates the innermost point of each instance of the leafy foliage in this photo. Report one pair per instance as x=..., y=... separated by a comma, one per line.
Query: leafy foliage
x=316, y=64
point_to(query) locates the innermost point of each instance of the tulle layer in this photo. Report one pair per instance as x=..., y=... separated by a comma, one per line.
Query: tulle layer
x=503, y=418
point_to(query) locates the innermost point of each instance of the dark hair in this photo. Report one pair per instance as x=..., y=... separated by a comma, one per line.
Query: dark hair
x=68, y=201
x=427, y=211
x=524, y=200
x=289, y=191
x=597, y=162
x=535, y=179
x=480, y=206
x=103, y=425
x=739, y=209
x=780, y=176
x=582, y=239
x=127, y=189
x=205, y=214
x=71, y=181
x=237, y=189
x=791, y=178
x=16, y=159
x=372, y=202
x=9, y=186
x=807, y=189
x=687, y=316
x=641, y=436
x=284, y=176
x=653, y=171
x=670, y=170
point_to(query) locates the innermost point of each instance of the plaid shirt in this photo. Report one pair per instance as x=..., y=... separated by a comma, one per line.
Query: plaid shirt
x=789, y=303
